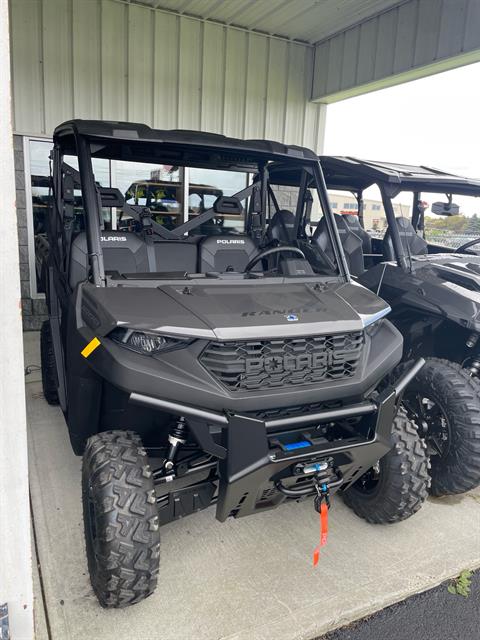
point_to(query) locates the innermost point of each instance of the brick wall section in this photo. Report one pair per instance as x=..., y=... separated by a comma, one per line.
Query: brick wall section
x=34, y=311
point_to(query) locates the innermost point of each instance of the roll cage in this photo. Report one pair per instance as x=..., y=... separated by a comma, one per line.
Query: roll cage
x=354, y=175
x=135, y=142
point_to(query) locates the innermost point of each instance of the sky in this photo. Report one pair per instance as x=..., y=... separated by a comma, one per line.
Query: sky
x=433, y=121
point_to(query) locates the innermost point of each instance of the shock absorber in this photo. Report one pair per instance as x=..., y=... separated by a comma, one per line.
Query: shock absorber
x=177, y=437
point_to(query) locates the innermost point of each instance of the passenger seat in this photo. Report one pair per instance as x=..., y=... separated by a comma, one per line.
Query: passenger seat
x=227, y=253
x=412, y=243
x=351, y=243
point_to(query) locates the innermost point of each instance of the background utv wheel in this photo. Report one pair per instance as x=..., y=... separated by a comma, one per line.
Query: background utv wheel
x=397, y=486
x=121, y=519
x=48, y=366
x=444, y=401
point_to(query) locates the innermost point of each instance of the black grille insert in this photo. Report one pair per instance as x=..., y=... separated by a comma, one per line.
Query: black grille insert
x=265, y=364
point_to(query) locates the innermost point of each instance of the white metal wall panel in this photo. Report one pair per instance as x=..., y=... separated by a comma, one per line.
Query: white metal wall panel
x=113, y=26
x=276, y=90
x=213, y=78
x=190, y=74
x=57, y=61
x=297, y=87
x=415, y=38
x=87, y=99
x=140, y=65
x=114, y=60
x=256, y=92
x=165, y=73
x=235, y=82
x=27, y=68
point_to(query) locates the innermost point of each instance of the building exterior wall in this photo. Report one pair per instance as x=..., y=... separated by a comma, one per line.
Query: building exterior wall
x=34, y=309
x=373, y=212
x=107, y=59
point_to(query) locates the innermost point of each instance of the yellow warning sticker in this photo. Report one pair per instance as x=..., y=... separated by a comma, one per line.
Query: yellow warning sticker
x=91, y=346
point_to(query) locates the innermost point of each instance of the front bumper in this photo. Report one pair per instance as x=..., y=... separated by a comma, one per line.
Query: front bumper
x=258, y=456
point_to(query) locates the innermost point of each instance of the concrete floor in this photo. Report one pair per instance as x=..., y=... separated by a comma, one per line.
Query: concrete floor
x=247, y=579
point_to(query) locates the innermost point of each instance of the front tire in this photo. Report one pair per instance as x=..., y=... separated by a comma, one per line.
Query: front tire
x=121, y=519
x=444, y=401
x=397, y=486
x=48, y=366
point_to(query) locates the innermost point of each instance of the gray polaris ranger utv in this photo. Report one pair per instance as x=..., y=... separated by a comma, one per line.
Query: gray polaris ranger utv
x=434, y=294
x=218, y=367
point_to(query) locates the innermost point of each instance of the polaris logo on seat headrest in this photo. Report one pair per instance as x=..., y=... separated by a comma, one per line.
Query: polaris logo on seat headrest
x=113, y=239
x=225, y=241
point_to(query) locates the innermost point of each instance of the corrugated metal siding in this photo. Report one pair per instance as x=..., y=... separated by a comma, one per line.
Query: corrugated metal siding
x=107, y=59
x=417, y=38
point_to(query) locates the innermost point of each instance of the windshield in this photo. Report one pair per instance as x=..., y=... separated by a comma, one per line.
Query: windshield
x=172, y=221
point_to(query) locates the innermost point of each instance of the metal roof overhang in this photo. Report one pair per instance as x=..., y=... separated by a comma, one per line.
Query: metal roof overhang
x=359, y=45
x=307, y=21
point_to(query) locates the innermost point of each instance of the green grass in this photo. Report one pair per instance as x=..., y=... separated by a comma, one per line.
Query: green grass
x=460, y=586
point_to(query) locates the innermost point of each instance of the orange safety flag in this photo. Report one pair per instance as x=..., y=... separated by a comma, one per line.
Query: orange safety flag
x=323, y=532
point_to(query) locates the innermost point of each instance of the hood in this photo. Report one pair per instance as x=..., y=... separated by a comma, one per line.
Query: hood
x=254, y=310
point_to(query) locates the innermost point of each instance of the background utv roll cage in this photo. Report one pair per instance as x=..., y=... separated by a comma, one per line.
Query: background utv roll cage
x=65, y=179
x=355, y=175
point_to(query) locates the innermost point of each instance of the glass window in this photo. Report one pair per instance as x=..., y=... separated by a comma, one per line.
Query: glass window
x=205, y=186
x=156, y=186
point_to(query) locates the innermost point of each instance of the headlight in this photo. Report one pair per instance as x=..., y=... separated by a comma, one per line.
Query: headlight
x=146, y=343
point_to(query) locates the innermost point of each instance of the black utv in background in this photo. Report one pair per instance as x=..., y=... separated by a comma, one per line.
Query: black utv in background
x=434, y=293
x=224, y=369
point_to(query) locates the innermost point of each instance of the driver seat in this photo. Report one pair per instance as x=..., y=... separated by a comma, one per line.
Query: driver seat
x=282, y=227
x=351, y=243
x=412, y=243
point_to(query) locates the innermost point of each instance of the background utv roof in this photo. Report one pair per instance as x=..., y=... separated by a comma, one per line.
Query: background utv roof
x=352, y=174
x=134, y=134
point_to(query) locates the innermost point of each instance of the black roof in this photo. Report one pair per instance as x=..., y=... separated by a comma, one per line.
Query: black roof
x=128, y=140
x=351, y=174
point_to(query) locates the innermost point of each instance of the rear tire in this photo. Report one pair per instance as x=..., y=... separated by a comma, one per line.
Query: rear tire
x=48, y=366
x=451, y=424
x=121, y=519
x=399, y=486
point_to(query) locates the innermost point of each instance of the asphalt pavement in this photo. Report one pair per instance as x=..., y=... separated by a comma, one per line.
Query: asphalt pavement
x=433, y=615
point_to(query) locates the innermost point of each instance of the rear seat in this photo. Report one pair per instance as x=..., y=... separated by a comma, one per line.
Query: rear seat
x=176, y=255
x=127, y=252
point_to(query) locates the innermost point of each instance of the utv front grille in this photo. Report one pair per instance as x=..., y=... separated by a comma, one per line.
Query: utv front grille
x=267, y=364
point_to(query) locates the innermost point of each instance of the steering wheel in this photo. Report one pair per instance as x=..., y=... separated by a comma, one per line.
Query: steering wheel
x=269, y=252
x=467, y=245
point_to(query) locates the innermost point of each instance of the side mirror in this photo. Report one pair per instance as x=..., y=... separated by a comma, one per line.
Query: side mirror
x=445, y=208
